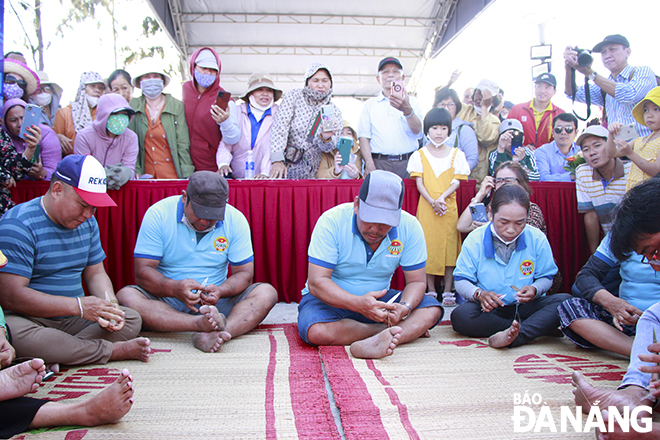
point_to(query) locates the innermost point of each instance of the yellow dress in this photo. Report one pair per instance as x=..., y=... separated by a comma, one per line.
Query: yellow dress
x=648, y=150
x=443, y=241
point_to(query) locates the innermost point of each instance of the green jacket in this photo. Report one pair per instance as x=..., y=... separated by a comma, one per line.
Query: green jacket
x=173, y=118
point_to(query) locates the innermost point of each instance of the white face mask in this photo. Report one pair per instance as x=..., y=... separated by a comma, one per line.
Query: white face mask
x=42, y=99
x=187, y=223
x=255, y=104
x=91, y=100
x=492, y=228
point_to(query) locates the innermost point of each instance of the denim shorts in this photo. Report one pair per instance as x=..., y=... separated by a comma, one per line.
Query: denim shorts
x=312, y=311
x=224, y=305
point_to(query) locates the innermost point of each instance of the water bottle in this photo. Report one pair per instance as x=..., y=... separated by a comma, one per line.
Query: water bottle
x=249, y=165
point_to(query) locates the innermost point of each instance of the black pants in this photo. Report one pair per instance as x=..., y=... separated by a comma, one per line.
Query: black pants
x=538, y=317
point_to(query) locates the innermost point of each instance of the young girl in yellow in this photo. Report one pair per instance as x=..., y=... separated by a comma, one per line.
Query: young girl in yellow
x=437, y=169
x=643, y=151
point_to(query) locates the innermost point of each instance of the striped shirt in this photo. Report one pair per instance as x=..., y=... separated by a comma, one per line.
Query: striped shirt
x=596, y=194
x=630, y=89
x=50, y=256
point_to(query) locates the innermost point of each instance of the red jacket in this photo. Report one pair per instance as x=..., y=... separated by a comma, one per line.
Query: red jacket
x=525, y=114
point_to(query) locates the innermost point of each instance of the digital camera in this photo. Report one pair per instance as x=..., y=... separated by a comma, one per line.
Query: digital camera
x=584, y=57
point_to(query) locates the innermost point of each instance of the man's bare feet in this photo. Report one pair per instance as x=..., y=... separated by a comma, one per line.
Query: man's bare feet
x=377, y=346
x=108, y=406
x=134, y=349
x=21, y=379
x=505, y=337
x=212, y=320
x=587, y=395
x=210, y=342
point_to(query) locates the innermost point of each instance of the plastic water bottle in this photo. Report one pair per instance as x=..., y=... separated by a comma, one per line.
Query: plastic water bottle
x=249, y=165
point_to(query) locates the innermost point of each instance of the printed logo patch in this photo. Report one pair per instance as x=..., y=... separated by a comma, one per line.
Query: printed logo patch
x=527, y=267
x=220, y=244
x=395, y=247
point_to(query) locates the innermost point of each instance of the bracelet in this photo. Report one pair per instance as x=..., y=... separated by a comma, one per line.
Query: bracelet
x=409, y=309
x=412, y=113
x=476, y=294
x=80, y=306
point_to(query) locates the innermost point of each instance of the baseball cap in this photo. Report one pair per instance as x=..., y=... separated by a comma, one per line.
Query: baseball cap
x=611, y=39
x=208, y=192
x=87, y=177
x=381, y=198
x=487, y=84
x=205, y=58
x=510, y=124
x=592, y=130
x=389, y=60
x=547, y=78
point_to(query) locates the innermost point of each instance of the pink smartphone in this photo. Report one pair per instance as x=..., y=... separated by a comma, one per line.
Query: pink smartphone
x=398, y=89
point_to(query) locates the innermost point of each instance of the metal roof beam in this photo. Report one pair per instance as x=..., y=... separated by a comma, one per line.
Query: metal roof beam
x=346, y=20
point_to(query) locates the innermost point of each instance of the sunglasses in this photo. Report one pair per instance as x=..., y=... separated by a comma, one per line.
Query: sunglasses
x=46, y=89
x=568, y=130
x=12, y=80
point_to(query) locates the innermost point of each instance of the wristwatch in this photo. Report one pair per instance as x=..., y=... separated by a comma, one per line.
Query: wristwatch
x=593, y=76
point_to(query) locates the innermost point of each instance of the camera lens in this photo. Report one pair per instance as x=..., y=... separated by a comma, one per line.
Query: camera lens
x=584, y=58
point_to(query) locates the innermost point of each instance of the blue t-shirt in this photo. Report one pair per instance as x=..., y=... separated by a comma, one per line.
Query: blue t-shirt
x=530, y=261
x=51, y=256
x=640, y=286
x=337, y=244
x=165, y=238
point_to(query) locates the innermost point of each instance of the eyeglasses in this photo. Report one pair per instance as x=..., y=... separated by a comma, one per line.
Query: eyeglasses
x=654, y=259
x=45, y=89
x=568, y=130
x=446, y=105
x=11, y=80
x=499, y=180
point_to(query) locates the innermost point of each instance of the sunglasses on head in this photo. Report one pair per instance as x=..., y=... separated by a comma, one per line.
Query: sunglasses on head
x=12, y=80
x=568, y=130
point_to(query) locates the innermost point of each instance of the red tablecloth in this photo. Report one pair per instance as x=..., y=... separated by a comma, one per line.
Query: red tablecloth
x=282, y=215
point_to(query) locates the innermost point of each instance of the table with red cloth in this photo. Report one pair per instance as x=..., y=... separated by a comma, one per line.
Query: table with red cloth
x=282, y=215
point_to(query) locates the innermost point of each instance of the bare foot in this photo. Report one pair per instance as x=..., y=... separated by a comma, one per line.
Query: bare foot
x=505, y=337
x=208, y=342
x=21, y=379
x=587, y=395
x=377, y=346
x=109, y=405
x=134, y=349
x=213, y=320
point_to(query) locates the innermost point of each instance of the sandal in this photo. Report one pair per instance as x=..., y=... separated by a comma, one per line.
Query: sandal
x=448, y=299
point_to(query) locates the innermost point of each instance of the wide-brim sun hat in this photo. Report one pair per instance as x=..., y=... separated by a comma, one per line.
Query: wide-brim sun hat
x=150, y=65
x=43, y=78
x=31, y=78
x=261, y=79
x=638, y=111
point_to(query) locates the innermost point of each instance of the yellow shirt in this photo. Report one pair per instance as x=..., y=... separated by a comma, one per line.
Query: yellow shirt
x=539, y=115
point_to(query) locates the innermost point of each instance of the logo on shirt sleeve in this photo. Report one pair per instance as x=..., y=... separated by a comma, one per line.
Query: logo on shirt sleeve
x=220, y=244
x=527, y=267
x=395, y=247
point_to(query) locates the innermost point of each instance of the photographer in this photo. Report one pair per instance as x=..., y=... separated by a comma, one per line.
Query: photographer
x=512, y=130
x=618, y=93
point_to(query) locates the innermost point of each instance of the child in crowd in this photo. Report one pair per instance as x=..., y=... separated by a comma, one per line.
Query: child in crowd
x=437, y=169
x=643, y=151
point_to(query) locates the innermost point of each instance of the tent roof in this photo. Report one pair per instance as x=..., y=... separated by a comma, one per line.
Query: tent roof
x=282, y=37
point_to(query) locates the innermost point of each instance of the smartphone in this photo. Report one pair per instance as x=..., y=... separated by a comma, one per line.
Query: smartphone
x=31, y=117
x=627, y=132
x=516, y=141
x=398, y=89
x=222, y=100
x=478, y=212
x=344, y=146
x=328, y=118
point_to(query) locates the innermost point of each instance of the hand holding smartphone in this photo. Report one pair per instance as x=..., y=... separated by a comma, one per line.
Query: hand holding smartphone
x=31, y=117
x=344, y=147
x=627, y=132
x=398, y=89
x=478, y=212
x=222, y=100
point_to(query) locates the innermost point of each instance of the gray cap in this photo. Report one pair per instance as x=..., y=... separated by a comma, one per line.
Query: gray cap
x=510, y=124
x=208, y=192
x=592, y=130
x=381, y=198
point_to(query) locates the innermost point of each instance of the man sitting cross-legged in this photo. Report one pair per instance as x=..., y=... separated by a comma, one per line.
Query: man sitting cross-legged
x=183, y=250
x=354, y=251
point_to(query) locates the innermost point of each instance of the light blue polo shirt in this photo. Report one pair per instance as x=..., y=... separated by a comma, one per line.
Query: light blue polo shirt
x=337, y=244
x=640, y=286
x=531, y=260
x=165, y=238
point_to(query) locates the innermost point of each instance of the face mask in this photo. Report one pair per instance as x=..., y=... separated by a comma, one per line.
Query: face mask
x=187, y=223
x=117, y=124
x=255, y=104
x=152, y=87
x=433, y=142
x=203, y=79
x=42, y=99
x=91, y=100
x=11, y=91
x=492, y=228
